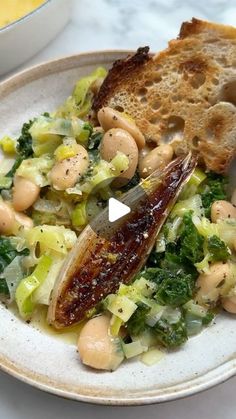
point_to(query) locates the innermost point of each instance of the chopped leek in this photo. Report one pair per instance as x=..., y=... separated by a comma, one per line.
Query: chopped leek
x=5, y=182
x=104, y=172
x=12, y=274
x=115, y=325
x=79, y=215
x=194, y=182
x=56, y=238
x=152, y=356
x=43, y=292
x=8, y=145
x=147, y=338
x=205, y=227
x=227, y=231
x=133, y=349
x=28, y=285
x=64, y=152
x=171, y=315
x=79, y=103
x=195, y=309
x=193, y=203
x=36, y=170
x=154, y=314
x=145, y=287
x=121, y=306
x=47, y=133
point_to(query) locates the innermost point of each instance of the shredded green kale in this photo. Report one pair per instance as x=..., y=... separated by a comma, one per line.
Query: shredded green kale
x=24, y=142
x=171, y=335
x=213, y=189
x=173, y=270
x=15, y=166
x=136, y=324
x=190, y=241
x=176, y=289
x=217, y=249
x=208, y=318
x=3, y=287
x=24, y=148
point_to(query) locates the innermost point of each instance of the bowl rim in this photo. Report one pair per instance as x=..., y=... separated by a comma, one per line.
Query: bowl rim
x=188, y=388
x=25, y=17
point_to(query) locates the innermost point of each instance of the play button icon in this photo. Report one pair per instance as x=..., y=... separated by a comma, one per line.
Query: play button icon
x=116, y=210
x=107, y=208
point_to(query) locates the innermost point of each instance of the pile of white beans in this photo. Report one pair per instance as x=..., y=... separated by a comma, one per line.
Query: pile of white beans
x=120, y=134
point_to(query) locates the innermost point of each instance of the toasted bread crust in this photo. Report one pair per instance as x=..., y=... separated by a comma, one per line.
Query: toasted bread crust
x=183, y=95
x=116, y=75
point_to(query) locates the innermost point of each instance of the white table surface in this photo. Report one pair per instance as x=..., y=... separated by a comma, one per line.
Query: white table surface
x=114, y=24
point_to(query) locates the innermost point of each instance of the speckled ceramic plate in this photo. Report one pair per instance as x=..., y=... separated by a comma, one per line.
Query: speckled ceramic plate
x=53, y=365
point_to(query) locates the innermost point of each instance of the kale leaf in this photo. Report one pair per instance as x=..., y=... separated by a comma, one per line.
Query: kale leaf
x=190, y=241
x=173, y=270
x=7, y=254
x=3, y=287
x=171, y=335
x=184, y=253
x=15, y=166
x=217, y=249
x=24, y=142
x=136, y=324
x=213, y=190
x=24, y=148
x=176, y=289
x=208, y=318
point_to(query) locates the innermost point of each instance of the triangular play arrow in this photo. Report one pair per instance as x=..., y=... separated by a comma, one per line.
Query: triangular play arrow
x=116, y=210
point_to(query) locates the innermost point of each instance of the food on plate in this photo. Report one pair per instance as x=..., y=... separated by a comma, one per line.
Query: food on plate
x=146, y=282
x=11, y=10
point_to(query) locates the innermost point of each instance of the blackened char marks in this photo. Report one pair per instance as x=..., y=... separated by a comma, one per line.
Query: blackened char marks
x=120, y=71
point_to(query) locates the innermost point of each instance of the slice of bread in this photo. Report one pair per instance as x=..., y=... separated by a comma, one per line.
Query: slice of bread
x=185, y=95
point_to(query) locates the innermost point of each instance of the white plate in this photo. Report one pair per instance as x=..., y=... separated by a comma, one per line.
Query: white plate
x=43, y=361
x=24, y=37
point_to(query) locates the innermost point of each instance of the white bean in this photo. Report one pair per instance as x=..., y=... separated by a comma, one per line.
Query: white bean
x=7, y=218
x=221, y=210
x=23, y=220
x=65, y=173
x=229, y=304
x=157, y=158
x=96, y=347
x=25, y=193
x=210, y=284
x=110, y=118
x=115, y=140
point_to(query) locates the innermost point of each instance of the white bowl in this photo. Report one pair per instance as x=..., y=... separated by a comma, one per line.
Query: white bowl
x=53, y=365
x=24, y=37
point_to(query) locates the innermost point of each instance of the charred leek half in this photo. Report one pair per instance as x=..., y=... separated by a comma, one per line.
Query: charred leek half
x=90, y=273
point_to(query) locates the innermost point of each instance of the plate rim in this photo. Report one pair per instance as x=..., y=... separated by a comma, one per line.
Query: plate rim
x=188, y=388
